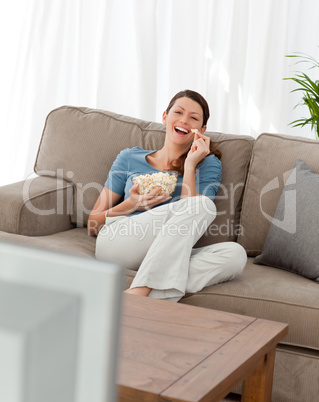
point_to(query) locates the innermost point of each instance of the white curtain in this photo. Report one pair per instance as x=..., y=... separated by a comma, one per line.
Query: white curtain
x=132, y=56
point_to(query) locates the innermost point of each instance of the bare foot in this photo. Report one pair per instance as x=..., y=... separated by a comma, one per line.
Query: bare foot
x=141, y=291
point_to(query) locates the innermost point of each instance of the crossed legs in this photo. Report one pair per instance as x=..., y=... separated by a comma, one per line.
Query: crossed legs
x=161, y=248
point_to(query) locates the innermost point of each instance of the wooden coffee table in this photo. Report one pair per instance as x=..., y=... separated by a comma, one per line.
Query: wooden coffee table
x=176, y=352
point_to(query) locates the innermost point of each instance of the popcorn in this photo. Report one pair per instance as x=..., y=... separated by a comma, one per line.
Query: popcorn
x=148, y=182
x=194, y=130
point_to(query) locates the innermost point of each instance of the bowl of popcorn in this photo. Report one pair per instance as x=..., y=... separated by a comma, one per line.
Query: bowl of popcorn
x=149, y=181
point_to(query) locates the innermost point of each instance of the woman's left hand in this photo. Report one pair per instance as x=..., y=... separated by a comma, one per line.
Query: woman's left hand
x=199, y=149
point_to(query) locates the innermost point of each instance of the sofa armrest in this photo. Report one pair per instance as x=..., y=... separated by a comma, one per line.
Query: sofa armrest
x=36, y=207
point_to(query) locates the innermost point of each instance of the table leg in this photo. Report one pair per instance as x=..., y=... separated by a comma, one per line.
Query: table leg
x=258, y=386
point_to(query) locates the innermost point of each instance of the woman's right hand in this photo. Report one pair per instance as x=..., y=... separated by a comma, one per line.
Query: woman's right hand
x=144, y=202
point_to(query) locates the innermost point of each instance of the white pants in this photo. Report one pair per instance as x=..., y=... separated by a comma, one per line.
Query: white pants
x=159, y=244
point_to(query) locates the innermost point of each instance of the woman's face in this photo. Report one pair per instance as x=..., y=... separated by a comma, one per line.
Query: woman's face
x=183, y=116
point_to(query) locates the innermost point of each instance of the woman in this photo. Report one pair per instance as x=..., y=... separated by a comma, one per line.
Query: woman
x=154, y=233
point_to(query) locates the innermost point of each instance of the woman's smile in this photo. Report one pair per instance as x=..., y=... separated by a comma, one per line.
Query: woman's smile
x=181, y=130
x=185, y=115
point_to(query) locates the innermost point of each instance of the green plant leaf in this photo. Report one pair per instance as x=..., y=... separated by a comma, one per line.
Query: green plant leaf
x=309, y=89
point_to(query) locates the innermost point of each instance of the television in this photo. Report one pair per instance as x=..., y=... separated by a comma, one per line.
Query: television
x=59, y=326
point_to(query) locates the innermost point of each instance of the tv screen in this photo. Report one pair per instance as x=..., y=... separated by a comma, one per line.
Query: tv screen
x=59, y=326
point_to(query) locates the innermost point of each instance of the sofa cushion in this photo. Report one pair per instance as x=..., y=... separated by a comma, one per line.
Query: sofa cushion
x=269, y=293
x=80, y=145
x=274, y=156
x=74, y=241
x=36, y=207
x=236, y=153
x=292, y=240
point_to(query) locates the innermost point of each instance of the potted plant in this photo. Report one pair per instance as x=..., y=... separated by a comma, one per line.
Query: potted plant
x=310, y=92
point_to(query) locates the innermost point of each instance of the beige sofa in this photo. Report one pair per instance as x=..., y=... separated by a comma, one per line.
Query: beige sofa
x=77, y=149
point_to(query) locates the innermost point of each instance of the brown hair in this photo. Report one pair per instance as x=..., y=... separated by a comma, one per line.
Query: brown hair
x=178, y=164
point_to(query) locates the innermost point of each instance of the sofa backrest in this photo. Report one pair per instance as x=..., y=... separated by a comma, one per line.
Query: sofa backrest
x=80, y=144
x=274, y=156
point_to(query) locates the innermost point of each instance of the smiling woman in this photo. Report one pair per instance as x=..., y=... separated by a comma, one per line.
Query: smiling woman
x=187, y=114
x=166, y=264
